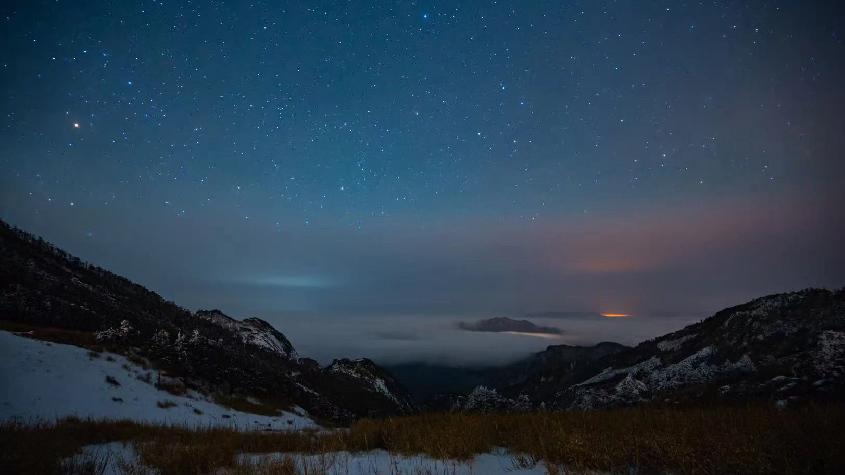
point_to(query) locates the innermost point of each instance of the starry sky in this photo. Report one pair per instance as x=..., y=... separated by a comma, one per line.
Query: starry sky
x=365, y=173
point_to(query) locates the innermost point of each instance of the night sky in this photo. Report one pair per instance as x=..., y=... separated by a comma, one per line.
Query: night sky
x=364, y=174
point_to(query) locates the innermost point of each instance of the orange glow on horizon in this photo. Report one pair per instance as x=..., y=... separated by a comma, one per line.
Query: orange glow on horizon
x=615, y=315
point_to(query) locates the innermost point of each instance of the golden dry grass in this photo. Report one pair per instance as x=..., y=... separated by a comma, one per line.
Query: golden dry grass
x=252, y=406
x=754, y=439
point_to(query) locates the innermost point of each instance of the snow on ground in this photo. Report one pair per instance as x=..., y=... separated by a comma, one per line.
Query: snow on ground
x=105, y=459
x=383, y=462
x=43, y=381
x=111, y=456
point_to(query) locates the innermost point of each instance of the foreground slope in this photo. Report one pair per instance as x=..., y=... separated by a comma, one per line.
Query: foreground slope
x=750, y=438
x=207, y=352
x=41, y=380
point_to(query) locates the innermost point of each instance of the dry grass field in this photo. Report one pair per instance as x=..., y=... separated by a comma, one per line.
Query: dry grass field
x=753, y=439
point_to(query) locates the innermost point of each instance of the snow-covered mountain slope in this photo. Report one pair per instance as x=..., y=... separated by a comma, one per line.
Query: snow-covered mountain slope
x=42, y=381
x=43, y=287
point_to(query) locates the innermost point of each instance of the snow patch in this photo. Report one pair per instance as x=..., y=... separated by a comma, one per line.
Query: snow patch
x=498, y=462
x=381, y=461
x=695, y=369
x=610, y=373
x=829, y=358
x=631, y=387
x=46, y=381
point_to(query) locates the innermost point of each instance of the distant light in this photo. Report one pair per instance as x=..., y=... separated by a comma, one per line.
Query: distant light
x=615, y=315
x=76, y=125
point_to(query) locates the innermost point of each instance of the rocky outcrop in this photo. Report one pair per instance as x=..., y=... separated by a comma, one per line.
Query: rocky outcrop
x=252, y=331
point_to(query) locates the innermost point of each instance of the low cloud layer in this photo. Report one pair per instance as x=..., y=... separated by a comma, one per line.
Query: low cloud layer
x=439, y=339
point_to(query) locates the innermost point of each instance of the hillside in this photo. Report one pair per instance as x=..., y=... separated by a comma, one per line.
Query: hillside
x=44, y=380
x=546, y=372
x=784, y=348
x=43, y=287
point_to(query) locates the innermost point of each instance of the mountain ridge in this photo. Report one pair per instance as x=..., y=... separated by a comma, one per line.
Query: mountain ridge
x=784, y=348
x=741, y=352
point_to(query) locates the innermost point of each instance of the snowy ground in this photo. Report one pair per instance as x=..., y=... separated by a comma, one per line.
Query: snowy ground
x=382, y=462
x=110, y=457
x=105, y=459
x=44, y=381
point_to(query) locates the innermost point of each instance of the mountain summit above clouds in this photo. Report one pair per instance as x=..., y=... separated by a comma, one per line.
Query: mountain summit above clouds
x=505, y=324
